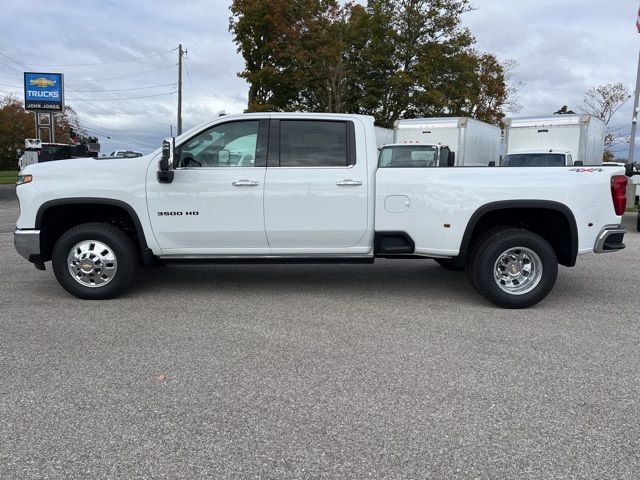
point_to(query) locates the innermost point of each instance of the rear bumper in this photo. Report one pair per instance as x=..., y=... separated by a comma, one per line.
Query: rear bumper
x=610, y=239
x=27, y=243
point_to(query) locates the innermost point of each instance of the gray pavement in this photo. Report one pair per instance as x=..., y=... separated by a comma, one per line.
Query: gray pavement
x=392, y=370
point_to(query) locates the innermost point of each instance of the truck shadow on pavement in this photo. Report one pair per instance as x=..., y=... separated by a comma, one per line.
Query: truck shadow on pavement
x=406, y=278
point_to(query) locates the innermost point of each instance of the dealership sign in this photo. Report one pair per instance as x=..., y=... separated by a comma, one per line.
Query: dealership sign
x=44, y=92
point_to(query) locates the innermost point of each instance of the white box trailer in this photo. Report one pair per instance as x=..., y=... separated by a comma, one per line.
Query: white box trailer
x=475, y=143
x=384, y=136
x=579, y=137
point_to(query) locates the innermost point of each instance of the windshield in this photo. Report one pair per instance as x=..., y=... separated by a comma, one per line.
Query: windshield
x=409, y=156
x=533, y=160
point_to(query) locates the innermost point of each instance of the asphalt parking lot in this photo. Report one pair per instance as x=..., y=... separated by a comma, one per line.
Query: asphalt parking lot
x=392, y=370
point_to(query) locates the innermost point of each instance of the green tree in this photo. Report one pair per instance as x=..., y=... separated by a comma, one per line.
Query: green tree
x=389, y=59
x=271, y=36
x=16, y=124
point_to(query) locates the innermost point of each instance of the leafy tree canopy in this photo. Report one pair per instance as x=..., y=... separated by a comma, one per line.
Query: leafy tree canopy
x=389, y=59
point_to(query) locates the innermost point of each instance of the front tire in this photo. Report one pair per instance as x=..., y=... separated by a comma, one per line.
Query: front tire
x=514, y=268
x=94, y=261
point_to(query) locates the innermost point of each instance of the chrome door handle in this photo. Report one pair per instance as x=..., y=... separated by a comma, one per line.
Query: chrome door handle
x=348, y=183
x=245, y=183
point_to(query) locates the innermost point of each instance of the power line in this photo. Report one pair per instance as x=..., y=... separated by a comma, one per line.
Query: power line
x=120, y=89
x=105, y=90
x=186, y=67
x=115, y=99
x=93, y=64
x=89, y=101
x=110, y=136
x=134, y=74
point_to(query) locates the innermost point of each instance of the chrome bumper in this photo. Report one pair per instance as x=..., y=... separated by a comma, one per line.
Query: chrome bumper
x=610, y=239
x=27, y=243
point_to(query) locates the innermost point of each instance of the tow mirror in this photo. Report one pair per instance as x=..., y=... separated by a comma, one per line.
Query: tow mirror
x=578, y=163
x=451, y=161
x=165, y=173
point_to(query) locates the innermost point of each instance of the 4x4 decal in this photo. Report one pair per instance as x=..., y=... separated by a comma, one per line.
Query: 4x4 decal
x=586, y=170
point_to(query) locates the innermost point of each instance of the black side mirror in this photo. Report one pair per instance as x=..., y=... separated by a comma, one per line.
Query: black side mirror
x=492, y=163
x=451, y=161
x=165, y=174
x=578, y=163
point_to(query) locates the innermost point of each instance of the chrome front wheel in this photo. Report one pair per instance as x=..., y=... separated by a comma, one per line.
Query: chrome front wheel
x=92, y=263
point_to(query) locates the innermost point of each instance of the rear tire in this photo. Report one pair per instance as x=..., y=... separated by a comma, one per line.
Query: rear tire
x=94, y=261
x=513, y=268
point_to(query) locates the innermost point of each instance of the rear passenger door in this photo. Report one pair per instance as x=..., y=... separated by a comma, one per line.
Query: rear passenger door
x=316, y=186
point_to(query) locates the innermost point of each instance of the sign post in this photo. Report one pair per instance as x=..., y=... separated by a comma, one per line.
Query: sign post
x=44, y=95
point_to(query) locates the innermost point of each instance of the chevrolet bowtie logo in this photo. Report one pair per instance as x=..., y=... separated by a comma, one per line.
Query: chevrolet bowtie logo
x=42, y=82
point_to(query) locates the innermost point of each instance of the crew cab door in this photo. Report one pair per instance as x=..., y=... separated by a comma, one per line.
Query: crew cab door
x=316, y=187
x=214, y=205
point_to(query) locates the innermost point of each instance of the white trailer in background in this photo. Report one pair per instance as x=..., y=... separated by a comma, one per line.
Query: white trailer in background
x=474, y=143
x=554, y=140
x=384, y=136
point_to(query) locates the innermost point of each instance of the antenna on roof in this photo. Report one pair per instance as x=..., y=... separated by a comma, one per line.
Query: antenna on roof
x=221, y=113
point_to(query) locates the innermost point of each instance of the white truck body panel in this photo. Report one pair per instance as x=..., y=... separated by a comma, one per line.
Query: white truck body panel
x=384, y=136
x=581, y=135
x=450, y=196
x=298, y=210
x=475, y=143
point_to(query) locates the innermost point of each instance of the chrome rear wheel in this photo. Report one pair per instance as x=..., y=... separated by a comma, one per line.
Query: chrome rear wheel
x=518, y=270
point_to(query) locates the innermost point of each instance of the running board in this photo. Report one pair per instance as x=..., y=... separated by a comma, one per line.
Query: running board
x=230, y=260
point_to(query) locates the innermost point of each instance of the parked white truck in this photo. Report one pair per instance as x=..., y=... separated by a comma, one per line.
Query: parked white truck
x=558, y=140
x=473, y=142
x=290, y=187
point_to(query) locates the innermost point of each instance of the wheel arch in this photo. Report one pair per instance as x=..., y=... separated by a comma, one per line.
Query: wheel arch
x=532, y=218
x=82, y=203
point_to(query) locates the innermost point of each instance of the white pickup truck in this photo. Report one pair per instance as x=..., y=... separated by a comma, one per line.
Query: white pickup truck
x=291, y=187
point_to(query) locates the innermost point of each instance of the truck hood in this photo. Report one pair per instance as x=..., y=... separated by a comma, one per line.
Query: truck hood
x=80, y=167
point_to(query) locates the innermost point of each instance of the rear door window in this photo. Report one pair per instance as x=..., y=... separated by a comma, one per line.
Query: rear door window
x=312, y=143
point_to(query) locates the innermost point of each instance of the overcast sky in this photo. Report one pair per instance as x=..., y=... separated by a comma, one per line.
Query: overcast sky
x=563, y=47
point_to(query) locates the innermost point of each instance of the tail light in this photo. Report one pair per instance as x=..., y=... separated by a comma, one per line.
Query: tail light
x=619, y=193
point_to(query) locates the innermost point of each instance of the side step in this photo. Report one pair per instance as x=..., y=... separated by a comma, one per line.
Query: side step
x=393, y=243
x=171, y=260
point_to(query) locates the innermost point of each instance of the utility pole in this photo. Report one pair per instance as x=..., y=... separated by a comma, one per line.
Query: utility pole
x=180, y=53
x=634, y=120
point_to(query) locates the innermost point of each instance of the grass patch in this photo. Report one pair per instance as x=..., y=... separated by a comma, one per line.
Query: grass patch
x=7, y=177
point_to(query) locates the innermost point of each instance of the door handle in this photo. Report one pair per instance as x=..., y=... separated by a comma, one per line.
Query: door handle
x=245, y=183
x=348, y=183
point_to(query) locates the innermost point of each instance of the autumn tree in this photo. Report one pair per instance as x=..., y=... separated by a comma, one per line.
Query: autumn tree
x=16, y=124
x=389, y=59
x=603, y=102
